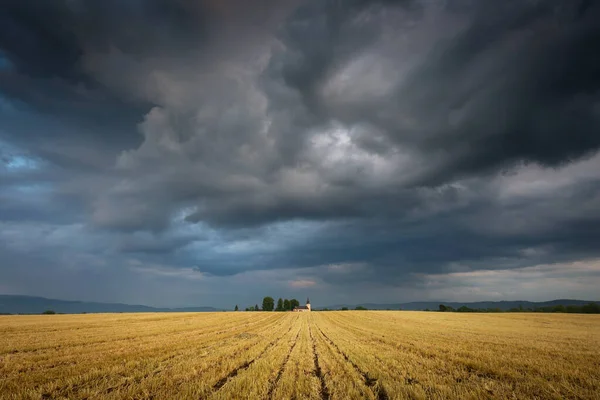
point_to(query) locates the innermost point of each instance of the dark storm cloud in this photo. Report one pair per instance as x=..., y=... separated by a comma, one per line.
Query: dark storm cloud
x=154, y=244
x=516, y=81
x=49, y=39
x=497, y=88
x=337, y=141
x=482, y=234
x=46, y=44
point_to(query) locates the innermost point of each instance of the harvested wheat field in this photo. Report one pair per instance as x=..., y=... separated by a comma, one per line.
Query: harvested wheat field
x=318, y=355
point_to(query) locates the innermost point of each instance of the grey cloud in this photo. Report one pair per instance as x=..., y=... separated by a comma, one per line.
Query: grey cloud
x=506, y=83
x=152, y=244
x=49, y=39
x=395, y=138
x=50, y=47
x=477, y=100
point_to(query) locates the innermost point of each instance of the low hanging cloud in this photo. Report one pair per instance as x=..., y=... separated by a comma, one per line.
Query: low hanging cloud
x=537, y=282
x=341, y=142
x=302, y=283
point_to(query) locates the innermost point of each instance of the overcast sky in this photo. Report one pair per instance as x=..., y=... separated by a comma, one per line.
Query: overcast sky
x=212, y=152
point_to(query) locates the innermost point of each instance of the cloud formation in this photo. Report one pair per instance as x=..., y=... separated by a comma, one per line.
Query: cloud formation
x=337, y=147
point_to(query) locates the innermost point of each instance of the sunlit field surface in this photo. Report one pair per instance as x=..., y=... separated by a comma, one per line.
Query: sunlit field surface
x=318, y=355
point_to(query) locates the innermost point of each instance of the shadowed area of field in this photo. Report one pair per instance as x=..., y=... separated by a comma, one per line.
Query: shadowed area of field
x=319, y=355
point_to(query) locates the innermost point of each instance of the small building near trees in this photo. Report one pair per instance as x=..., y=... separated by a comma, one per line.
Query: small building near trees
x=305, y=308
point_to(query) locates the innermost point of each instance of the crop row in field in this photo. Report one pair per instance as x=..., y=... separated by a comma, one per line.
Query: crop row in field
x=328, y=355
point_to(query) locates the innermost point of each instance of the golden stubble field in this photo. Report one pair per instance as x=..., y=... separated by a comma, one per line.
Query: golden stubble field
x=318, y=355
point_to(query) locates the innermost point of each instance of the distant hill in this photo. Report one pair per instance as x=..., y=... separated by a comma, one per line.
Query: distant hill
x=15, y=304
x=11, y=304
x=433, y=305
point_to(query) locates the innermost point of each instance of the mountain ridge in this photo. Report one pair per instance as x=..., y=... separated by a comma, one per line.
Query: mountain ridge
x=22, y=304
x=503, y=305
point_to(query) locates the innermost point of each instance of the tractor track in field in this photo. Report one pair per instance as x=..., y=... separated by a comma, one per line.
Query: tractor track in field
x=160, y=360
x=273, y=385
x=468, y=367
x=373, y=384
x=233, y=373
x=318, y=372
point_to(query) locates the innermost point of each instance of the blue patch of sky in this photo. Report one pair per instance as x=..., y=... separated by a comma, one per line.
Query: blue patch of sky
x=21, y=163
x=14, y=160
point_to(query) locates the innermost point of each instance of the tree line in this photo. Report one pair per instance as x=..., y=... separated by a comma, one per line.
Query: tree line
x=268, y=304
x=359, y=308
x=591, y=308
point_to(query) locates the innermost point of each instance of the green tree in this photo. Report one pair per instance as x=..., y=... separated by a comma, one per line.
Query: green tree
x=294, y=303
x=361, y=308
x=559, y=308
x=286, y=305
x=591, y=308
x=236, y=308
x=443, y=308
x=344, y=308
x=256, y=307
x=279, y=305
x=49, y=312
x=268, y=304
